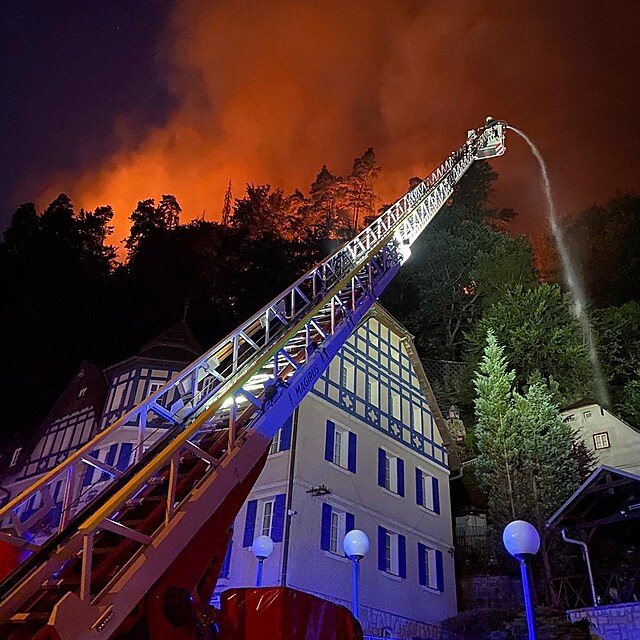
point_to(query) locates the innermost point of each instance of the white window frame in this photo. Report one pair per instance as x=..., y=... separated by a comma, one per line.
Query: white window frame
x=373, y=392
x=570, y=418
x=337, y=532
x=391, y=553
x=427, y=490
x=390, y=471
x=154, y=385
x=340, y=453
x=348, y=377
x=14, y=457
x=267, y=512
x=395, y=402
x=275, y=443
x=586, y=415
x=430, y=568
x=601, y=441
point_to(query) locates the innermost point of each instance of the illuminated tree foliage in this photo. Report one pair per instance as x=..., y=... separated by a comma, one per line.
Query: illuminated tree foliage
x=540, y=335
x=527, y=455
x=460, y=265
x=618, y=334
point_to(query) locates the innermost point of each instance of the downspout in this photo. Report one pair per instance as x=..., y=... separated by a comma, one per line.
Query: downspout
x=585, y=554
x=289, y=514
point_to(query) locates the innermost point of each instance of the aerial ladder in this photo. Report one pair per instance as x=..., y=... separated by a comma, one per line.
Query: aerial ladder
x=141, y=557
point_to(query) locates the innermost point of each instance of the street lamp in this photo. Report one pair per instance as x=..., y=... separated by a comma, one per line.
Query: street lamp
x=522, y=540
x=356, y=546
x=261, y=548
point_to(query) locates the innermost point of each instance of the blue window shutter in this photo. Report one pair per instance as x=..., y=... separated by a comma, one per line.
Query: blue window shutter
x=285, y=435
x=402, y=556
x=436, y=495
x=353, y=446
x=422, y=565
x=349, y=522
x=328, y=443
x=250, y=523
x=419, y=492
x=381, y=458
x=226, y=564
x=110, y=459
x=124, y=456
x=278, y=518
x=325, y=529
x=382, y=533
x=400, y=462
x=439, y=572
x=88, y=476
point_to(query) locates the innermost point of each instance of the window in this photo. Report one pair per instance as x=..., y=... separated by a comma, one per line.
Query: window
x=347, y=376
x=372, y=391
x=392, y=553
x=395, y=404
x=282, y=440
x=275, y=443
x=334, y=537
x=264, y=518
x=335, y=525
x=430, y=568
x=15, y=456
x=586, y=415
x=427, y=491
x=390, y=472
x=570, y=418
x=153, y=387
x=601, y=440
x=338, y=457
x=267, y=517
x=340, y=447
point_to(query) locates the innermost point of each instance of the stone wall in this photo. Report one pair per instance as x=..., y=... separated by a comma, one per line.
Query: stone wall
x=376, y=624
x=488, y=592
x=611, y=622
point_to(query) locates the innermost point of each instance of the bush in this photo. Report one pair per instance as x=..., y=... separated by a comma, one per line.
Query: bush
x=505, y=624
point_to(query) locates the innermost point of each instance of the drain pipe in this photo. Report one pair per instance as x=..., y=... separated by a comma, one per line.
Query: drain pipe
x=585, y=555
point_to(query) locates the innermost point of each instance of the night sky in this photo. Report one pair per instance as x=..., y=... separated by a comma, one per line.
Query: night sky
x=117, y=101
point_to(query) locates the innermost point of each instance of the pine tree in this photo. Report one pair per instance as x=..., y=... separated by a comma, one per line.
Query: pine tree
x=360, y=197
x=495, y=434
x=226, y=207
x=527, y=463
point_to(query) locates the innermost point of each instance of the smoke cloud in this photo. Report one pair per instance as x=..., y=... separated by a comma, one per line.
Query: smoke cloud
x=270, y=91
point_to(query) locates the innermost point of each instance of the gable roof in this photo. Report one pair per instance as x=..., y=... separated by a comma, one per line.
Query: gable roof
x=608, y=496
x=176, y=343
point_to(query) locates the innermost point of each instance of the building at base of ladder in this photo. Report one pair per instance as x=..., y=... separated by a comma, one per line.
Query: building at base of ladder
x=367, y=449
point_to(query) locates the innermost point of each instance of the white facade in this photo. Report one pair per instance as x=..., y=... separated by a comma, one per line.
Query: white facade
x=615, y=443
x=361, y=451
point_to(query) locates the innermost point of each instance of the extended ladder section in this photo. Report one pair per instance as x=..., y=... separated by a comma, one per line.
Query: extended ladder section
x=92, y=558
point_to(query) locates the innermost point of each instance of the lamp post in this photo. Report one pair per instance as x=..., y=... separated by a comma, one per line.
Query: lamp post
x=521, y=540
x=356, y=546
x=261, y=548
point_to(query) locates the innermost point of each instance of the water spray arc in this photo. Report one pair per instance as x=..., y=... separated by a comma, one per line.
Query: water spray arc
x=571, y=276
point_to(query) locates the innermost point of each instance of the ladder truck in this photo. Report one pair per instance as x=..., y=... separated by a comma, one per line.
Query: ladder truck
x=141, y=559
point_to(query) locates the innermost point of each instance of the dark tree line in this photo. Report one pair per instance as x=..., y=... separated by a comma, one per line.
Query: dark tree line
x=66, y=297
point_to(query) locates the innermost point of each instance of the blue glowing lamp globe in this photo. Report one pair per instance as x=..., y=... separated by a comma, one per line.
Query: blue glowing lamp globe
x=521, y=538
x=262, y=547
x=356, y=544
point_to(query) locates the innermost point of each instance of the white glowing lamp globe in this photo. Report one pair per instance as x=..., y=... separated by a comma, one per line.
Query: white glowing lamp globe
x=356, y=544
x=262, y=547
x=521, y=538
